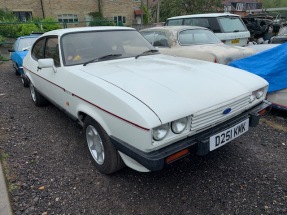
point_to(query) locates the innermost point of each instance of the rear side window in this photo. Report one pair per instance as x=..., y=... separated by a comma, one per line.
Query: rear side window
x=231, y=24
x=174, y=22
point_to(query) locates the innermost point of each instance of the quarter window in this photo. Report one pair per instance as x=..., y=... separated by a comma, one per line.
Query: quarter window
x=68, y=18
x=52, y=50
x=38, y=49
x=47, y=48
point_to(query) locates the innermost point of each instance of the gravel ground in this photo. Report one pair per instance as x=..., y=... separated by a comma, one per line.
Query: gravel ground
x=49, y=172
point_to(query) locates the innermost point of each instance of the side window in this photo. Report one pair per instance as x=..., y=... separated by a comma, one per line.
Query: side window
x=38, y=49
x=174, y=22
x=214, y=25
x=52, y=50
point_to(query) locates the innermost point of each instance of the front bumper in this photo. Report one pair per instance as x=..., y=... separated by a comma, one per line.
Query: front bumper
x=155, y=160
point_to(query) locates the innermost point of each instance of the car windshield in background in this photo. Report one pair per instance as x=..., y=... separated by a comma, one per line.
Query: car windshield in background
x=198, y=36
x=26, y=43
x=231, y=24
x=82, y=47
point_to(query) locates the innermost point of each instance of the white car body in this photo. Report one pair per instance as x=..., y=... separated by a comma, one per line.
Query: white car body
x=194, y=42
x=131, y=95
x=229, y=28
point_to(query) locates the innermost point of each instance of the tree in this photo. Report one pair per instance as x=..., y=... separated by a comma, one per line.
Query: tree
x=169, y=8
x=274, y=3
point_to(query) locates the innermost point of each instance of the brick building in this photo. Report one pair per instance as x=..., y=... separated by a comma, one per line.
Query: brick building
x=74, y=11
x=241, y=7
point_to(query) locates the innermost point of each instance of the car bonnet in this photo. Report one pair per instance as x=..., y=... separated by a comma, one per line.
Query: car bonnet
x=175, y=85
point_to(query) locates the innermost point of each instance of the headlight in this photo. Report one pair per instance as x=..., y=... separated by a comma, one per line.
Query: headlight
x=259, y=94
x=160, y=132
x=179, y=125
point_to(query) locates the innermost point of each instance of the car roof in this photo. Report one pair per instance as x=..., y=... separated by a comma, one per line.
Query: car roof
x=28, y=36
x=173, y=28
x=204, y=15
x=61, y=32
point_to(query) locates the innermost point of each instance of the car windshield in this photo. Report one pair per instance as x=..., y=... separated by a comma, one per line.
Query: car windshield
x=25, y=43
x=231, y=24
x=197, y=36
x=283, y=31
x=83, y=47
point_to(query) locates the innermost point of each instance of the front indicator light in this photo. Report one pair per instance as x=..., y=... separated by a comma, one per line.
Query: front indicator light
x=160, y=132
x=179, y=125
x=177, y=156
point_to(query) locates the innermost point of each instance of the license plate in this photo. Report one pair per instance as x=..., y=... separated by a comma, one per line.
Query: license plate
x=235, y=41
x=229, y=134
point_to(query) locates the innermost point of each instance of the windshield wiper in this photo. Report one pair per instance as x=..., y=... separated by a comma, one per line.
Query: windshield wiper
x=102, y=58
x=147, y=52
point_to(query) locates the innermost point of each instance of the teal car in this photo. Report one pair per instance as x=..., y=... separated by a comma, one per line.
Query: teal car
x=19, y=51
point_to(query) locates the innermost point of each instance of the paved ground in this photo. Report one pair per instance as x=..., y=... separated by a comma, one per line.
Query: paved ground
x=50, y=172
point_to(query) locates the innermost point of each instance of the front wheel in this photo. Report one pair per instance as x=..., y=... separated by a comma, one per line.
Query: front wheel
x=104, y=155
x=37, y=98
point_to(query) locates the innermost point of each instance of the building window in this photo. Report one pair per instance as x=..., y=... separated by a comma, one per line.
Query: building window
x=23, y=16
x=119, y=20
x=68, y=18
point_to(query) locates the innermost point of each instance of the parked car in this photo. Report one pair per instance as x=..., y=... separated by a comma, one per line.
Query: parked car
x=137, y=106
x=194, y=42
x=18, y=52
x=261, y=47
x=281, y=36
x=229, y=28
x=270, y=65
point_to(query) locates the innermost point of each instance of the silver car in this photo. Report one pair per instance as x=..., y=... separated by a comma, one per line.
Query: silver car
x=194, y=42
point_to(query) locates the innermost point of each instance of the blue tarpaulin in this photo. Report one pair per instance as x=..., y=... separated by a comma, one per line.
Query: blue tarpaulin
x=270, y=65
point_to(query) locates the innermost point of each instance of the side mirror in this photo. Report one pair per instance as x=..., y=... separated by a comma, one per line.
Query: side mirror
x=46, y=63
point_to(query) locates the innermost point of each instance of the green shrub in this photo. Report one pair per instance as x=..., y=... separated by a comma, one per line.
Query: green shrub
x=101, y=22
x=47, y=24
x=27, y=29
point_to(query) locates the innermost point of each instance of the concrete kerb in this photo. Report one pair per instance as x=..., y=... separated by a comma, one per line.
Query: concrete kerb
x=5, y=207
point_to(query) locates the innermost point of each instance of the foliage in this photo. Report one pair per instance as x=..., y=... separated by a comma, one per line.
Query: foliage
x=7, y=30
x=146, y=15
x=7, y=15
x=49, y=24
x=274, y=3
x=27, y=29
x=169, y=8
x=101, y=22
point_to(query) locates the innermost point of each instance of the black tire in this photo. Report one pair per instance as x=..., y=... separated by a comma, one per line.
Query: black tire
x=16, y=70
x=37, y=98
x=25, y=81
x=104, y=155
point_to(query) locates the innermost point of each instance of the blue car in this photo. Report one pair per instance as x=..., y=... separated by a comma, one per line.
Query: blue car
x=19, y=51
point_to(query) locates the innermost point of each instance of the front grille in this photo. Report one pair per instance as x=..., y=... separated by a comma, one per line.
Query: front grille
x=214, y=115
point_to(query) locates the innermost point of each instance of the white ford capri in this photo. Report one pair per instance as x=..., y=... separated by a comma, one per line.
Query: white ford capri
x=139, y=107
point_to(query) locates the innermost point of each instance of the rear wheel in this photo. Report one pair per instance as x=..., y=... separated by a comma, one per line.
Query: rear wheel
x=37, y=98
x=25, y=81
x=104, y=155
x=16, y=69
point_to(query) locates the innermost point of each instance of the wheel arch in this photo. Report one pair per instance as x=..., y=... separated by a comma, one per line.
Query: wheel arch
x=85, y=111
